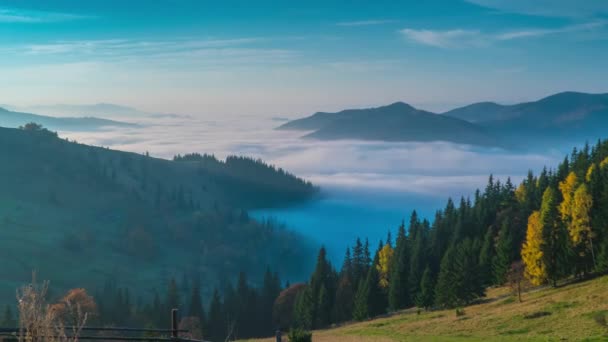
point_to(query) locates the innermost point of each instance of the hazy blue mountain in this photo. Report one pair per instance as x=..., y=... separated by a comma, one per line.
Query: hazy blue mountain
x=102, y=110
x=480, y=112
x=564, y=117
x=13, y=119
x=105, y=214
x=396, y=122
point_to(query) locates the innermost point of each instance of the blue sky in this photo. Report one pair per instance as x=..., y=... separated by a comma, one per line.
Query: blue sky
x=290, y=58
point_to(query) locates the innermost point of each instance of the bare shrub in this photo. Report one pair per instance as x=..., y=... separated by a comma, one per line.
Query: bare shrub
x=41, y=322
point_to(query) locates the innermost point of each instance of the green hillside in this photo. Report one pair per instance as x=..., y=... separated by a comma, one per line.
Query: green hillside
x=82, y=215
x=575, y=312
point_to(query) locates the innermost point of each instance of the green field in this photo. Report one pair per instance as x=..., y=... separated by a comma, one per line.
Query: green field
x=570, y=313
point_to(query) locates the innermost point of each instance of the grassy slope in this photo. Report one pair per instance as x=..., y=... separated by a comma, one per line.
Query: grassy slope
x=500, y=318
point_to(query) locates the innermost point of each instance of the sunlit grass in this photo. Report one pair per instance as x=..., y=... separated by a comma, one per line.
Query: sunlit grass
x=573, y=312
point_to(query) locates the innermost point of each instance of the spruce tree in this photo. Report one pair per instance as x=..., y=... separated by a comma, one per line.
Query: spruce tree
x=344, y=300
x=427, y=290
x=486, y=256
x=505, y=253
x=361, y=309
x=303, y=309
x=398, y=291
x=196, y=304
x=555, y=248
x=215, y=330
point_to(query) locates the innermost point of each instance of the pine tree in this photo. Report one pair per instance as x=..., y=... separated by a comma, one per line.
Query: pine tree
x=555, y=247
x=303, y=309
x=486, y=256
x=505, y=253
x=445, y=292
x=417, y=263
x=323, y=308
x=361, y=309
x=322, y=278
x=344, y=301
x=398, y=292
x=216, y=323
x=371, y=300
x=459, y=281
x=358, y=261
x=270, y=291
x=196, y=304
x=427, y=290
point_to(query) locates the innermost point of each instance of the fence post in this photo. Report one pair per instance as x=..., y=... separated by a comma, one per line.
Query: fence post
x=278, y=335
x=174, y=323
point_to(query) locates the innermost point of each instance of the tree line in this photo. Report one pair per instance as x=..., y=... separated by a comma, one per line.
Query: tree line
x=555, y=224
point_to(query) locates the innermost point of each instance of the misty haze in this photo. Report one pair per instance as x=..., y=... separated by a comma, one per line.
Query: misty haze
x=303, y=171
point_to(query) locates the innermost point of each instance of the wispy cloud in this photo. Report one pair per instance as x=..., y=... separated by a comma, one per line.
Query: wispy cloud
x=548, y=8
x=182, y=51
x=461, y=38
x=366, y=22
x=444, y=39
x=15, y=15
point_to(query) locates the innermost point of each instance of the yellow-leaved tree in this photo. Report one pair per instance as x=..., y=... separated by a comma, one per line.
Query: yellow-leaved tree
x=567, y=187
x=603, y=163
x=385, y=257
x=532, y=251
x=580, y=231
x=590, y=172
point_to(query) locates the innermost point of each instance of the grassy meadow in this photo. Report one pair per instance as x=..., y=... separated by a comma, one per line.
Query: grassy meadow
x=572, y=312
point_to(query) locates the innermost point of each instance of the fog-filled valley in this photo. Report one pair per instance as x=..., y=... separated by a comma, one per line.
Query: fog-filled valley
x=367, y=188
x=298, y=171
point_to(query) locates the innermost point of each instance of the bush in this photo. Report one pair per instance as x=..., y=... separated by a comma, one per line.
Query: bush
x=460, y=312
x=299, y=335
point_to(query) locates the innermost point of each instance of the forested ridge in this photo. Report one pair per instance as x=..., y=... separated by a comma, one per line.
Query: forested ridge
x=82, y=215
x=551, y=227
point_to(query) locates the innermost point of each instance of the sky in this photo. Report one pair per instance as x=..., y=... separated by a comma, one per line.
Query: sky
x=213, y=59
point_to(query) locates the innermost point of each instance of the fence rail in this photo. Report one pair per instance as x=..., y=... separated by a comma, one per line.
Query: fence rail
x=13, y=333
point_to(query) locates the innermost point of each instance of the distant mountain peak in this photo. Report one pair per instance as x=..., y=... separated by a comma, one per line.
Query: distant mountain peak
x=399, y=105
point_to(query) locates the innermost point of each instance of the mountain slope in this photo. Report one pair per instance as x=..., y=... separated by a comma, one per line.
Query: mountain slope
x=13, y=119
x=105, y=214
x=572, y=312
x=559, y=118
x=395, y=122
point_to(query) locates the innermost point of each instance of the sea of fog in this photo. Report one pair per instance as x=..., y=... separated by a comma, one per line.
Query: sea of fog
x=368, y=188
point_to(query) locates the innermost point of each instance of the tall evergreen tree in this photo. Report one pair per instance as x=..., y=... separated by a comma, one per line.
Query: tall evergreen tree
x=304, y=309
x=555, y=247
x=398, y=291
x=196, y=304
x=505, y=253
x=427, y=290
x=486, y=256
x=344, y=300
x=216, y=324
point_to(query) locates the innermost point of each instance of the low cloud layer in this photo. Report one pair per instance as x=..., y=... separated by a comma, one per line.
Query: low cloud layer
x=438, y=168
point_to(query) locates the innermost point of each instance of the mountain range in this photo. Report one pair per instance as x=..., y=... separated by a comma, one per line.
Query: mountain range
x=560, y=118
x=14, y=119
